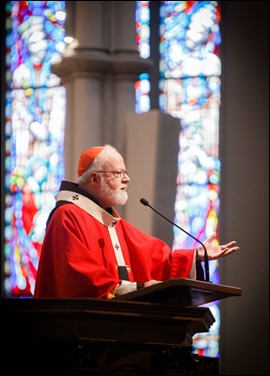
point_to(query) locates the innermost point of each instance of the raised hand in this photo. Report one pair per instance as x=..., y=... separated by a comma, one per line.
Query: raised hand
x=216, y=251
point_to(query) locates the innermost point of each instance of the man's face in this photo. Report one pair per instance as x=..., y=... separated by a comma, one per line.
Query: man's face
x=114, y=182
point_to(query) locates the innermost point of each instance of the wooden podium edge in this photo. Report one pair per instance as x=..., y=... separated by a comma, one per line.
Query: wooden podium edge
x=182, y=292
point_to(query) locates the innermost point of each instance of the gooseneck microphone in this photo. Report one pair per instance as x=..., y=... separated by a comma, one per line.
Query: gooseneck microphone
x=206, y=263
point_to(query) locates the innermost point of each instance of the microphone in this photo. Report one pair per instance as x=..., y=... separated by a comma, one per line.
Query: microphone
x=206, y=263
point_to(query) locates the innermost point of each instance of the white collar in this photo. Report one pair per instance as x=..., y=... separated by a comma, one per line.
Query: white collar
x=90, y=207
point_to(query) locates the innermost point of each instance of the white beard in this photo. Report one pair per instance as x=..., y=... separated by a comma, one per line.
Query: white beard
x=114, y=197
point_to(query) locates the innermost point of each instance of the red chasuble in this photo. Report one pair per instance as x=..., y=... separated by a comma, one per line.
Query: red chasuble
x=78, y=257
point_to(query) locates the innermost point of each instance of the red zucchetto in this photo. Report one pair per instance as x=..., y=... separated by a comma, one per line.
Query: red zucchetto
x=87, y=157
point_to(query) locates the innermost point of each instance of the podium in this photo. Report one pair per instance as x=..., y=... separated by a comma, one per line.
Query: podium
x=146, y=332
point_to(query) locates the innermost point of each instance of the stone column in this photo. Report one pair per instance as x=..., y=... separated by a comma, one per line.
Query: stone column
x=99, y=70
x=151, y=159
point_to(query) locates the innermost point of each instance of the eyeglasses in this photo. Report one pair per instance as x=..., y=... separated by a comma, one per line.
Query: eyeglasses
x=117, y=174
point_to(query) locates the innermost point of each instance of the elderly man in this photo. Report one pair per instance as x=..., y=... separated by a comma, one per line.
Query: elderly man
x=90, y=251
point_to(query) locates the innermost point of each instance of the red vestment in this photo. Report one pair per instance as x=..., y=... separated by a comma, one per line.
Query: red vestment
x=78, y=258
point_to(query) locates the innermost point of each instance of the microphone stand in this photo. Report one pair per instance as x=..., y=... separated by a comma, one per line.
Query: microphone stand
x=206, y=261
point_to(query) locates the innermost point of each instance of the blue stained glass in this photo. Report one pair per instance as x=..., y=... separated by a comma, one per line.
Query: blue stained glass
x=35, y=121
x=190, y=90
x=142, y=86
x=190, y=70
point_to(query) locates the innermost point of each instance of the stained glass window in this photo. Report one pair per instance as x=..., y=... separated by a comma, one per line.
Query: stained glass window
x=189, y=89
x=34, y=134
x=142, y=86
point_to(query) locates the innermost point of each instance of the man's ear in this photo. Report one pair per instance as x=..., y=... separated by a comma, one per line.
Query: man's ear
x=94, y=178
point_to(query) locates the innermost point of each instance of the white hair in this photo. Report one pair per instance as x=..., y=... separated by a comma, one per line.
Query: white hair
x=98, y=164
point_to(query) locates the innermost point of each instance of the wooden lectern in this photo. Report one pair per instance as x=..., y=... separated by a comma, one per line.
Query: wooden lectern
x=146, y=332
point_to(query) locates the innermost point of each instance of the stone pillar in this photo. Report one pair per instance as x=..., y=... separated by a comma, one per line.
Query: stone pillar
x=151, y=161
x=99, y=70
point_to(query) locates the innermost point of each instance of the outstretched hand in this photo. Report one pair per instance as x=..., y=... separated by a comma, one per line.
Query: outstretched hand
x=216, y=251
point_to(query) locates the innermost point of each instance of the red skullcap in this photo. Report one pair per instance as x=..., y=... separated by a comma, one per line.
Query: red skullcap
x=87, y=157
